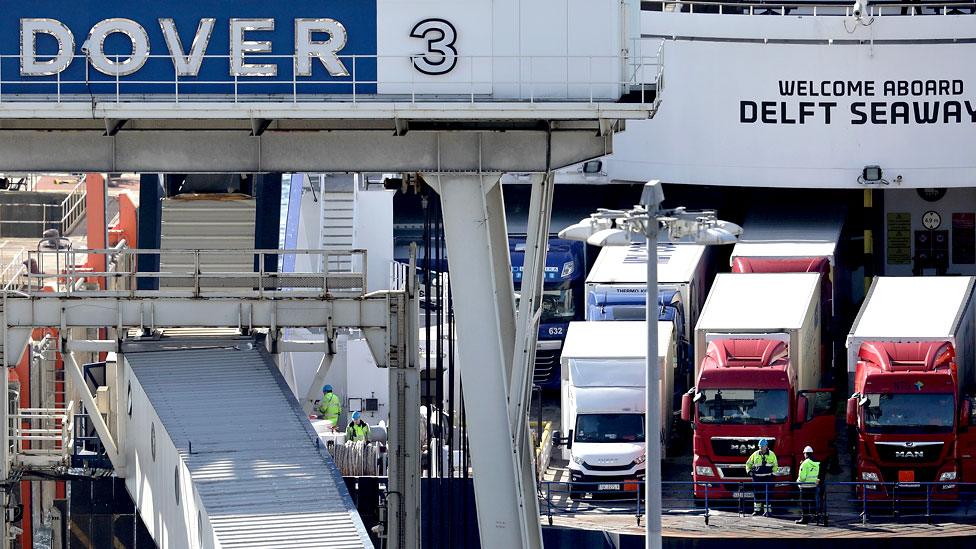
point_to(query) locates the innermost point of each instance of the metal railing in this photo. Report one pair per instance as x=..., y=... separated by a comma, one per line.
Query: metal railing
x=578, y=78
x=192, y=273
x=73, y=207
x=63, y=216
x=43, y=436
x=399, y=275
x=847, y=503
x=813, y=8
x=12, y=271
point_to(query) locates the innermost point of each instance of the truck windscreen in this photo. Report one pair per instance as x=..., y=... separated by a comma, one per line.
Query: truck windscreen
x=609, y=428
x=557, y=306
x=743, y=406
x=909, y=412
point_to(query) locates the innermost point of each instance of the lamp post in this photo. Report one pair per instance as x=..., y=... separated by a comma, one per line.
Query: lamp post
x=617, y=228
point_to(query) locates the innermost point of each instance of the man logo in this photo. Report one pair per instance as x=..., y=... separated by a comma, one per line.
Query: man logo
x=909, y=454
x=742, y=448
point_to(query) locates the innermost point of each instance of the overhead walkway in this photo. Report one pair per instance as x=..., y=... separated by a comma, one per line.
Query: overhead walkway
x=220, y=453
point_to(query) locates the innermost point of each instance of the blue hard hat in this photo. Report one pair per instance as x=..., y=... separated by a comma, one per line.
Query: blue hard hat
x=355, y=415
x=327, y=389
x=763, y=443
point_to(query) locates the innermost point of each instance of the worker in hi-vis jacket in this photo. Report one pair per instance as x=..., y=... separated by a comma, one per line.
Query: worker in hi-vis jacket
x=760, y=467
x=330, y=406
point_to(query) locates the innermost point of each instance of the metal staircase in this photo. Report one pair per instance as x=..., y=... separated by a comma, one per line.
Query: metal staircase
x=338, y=213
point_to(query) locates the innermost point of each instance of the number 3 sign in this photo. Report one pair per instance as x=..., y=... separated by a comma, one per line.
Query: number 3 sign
x=441, y=55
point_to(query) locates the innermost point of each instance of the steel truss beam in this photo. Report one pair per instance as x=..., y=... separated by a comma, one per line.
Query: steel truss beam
x=155, y=150
x=22, y=314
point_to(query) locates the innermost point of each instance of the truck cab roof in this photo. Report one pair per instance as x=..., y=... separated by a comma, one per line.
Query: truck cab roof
x=767, y=361
x=917, y=356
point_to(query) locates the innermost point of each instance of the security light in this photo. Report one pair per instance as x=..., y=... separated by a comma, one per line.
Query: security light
x=871, y=174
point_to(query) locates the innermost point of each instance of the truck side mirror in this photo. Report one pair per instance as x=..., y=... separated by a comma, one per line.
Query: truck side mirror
x=852, y=411
x=802, y=408
x=964, y=411
x=687, y=401
x=569, y=440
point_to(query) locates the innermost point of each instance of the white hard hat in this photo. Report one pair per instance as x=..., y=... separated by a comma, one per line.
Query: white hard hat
x=808, y=450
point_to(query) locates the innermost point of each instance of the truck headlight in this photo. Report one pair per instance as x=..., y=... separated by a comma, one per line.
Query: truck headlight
x=640, y=459
x=948, y=475
x=782, y=471
x=568, y=269
x=577, y=460
x=704, y=471
x=870, y=476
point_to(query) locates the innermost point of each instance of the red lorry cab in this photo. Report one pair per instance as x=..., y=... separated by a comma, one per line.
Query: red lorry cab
x=911, y=420
x=746, y=391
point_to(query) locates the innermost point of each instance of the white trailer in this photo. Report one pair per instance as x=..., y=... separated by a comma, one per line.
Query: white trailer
x=910, y=309
x=788, y=235
x=780, y=306
x=603, y=380
x=780, y=241
x=616, y=287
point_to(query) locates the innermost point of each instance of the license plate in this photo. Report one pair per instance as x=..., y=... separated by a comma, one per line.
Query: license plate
x=608, y=487
x=742, y=495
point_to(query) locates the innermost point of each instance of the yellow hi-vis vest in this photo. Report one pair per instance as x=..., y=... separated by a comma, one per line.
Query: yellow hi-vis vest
x=330, y=407
x=809, y=473
x=356, y=431
x=761, y=464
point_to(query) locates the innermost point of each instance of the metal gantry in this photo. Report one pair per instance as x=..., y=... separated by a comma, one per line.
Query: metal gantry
x=50, y=292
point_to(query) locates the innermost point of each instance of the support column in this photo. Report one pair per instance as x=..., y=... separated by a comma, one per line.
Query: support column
x=530, y=304
x=150, y=227
x=96, y=203
x=481, y=278
x=404, y=494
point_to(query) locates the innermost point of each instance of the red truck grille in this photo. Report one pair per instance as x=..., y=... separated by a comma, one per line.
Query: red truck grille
x=909, y=453
x=737, y=447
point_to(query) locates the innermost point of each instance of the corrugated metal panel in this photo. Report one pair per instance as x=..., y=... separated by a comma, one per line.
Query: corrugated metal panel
x=208, y=225
x=255, y=461
x=338, y=217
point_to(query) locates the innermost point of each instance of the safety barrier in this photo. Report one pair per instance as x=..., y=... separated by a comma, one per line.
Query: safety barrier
x=531, y=79
x=12, y=270
x=63, y=216
x=63, y=271
x=814, y=8
x=862, y=502
x=42, y=436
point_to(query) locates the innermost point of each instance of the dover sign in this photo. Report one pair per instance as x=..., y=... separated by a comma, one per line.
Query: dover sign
x=206, y=45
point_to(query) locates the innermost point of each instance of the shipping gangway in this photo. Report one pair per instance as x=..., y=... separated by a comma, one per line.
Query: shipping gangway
x=194, y=415
x=215, y=430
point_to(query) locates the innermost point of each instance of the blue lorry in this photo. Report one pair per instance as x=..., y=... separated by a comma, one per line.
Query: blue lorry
x=562, y=301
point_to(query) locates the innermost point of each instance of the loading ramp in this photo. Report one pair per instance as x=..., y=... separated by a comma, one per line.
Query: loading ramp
x=220, y=453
